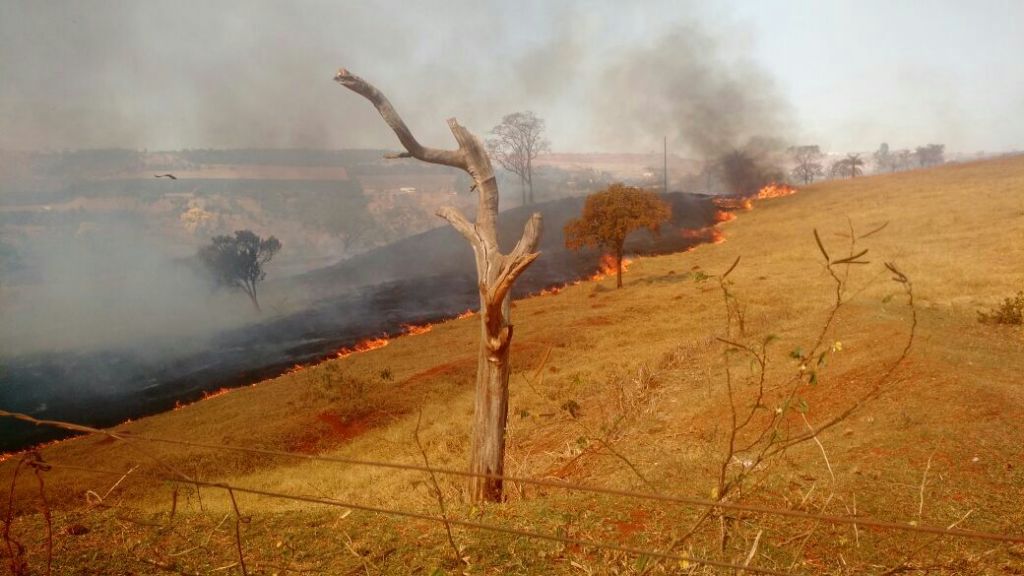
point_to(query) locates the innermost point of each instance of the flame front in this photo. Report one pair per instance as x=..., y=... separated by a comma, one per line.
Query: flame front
x=362, y=346
x=414, y=330
x=734, y=203
x=723, y=216
x=775, y=190
x=708, y=234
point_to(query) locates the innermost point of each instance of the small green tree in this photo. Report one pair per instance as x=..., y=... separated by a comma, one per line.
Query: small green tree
x=237, y=261
x=611, y=215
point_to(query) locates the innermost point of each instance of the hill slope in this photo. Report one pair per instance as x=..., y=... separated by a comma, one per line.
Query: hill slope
x=631, y=389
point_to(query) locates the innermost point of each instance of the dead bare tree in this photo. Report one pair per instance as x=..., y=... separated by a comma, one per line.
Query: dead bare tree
x=517, y=141
x=496, y=272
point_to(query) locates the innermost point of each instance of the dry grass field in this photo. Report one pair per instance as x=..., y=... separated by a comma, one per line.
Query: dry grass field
x=625, y=389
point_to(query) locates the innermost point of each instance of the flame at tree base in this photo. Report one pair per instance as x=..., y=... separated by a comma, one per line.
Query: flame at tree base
x=608, y=267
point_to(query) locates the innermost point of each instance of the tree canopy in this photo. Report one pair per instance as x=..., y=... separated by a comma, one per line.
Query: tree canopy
x=850, y=166
x=516, y=142
x=808, y=163
x=613, y=214
x=237, y=262
x=931, y=155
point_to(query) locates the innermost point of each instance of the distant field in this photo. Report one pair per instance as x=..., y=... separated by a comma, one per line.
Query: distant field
x=628, y=389
x=627, y=166
x=245, y=172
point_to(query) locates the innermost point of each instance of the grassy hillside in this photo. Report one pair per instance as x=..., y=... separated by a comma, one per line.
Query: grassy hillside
x=628, y=389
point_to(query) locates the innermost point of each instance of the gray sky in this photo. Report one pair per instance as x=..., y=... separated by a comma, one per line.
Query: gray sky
x=608, y=76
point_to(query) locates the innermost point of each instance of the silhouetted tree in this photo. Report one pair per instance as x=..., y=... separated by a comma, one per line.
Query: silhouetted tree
x=611, y=215
x=517, y=141
x=885, y=160
x=851, y=166
x=930, y=155
x=741, y=173
x=237, y=261
x=808, y=163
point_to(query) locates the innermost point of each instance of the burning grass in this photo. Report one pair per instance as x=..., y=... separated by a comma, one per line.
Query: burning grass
x=775, y=190
x=362, y=346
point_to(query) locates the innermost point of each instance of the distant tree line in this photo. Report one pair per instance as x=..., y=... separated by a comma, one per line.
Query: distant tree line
x=887, y=160
x=809, y=161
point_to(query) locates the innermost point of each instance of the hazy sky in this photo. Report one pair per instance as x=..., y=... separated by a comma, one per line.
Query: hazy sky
x=608, y=76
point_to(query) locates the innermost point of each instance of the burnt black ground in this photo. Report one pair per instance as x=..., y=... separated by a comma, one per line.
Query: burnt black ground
x=423, y=278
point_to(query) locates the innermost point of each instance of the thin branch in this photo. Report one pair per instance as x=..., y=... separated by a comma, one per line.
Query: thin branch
x=460, y=223
x=394, y=120
x=437, y=490
x=238, y=531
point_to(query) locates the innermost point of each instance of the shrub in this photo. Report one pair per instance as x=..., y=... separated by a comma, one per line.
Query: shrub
x=1011, y=311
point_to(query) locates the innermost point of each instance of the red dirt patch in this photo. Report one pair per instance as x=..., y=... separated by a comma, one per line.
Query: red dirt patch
x=438, y=371
x=334, y=429
x=637, y=522
x=348, y=427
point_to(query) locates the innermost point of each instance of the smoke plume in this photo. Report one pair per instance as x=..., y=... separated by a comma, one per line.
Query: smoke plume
x=689, y=87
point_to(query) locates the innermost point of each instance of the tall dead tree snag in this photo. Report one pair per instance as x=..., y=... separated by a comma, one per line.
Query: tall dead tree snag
x=496, y=272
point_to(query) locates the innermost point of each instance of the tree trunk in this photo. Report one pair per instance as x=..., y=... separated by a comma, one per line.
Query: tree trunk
x=522, y=188
x=618, y=266
x=529, y=177
x=496, y=272
x=490, y=414
x=250, y=291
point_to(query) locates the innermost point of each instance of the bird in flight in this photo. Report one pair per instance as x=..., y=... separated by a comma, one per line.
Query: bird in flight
x=171, y=176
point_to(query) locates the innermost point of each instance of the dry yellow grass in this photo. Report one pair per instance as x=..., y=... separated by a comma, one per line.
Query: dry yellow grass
x=957, y=403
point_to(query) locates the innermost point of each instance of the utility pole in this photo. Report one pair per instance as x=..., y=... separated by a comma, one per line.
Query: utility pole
x=665, y=173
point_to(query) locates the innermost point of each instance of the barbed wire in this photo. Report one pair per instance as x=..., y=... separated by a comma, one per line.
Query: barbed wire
x=427, y=517
x=701, y=502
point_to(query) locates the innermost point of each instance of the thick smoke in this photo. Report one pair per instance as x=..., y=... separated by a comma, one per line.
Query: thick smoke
x=111, y=286
x=162, y=75
x=688, y=86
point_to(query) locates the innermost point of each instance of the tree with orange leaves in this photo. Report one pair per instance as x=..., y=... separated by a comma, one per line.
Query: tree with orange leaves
x=611, y=215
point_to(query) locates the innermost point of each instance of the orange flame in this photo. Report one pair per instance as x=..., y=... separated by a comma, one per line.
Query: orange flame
x=466, y=314
x=708, y=234
x=608, y=267
x=416, y=330
x=775, y=190
x=215, y=393
x=5, y=456
x=723, y=216
x=551, y=291
x=362, y=346
x=734, y=203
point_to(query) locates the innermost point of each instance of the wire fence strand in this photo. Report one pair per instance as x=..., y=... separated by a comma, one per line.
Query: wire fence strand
x=454, y=522
x=685, y=500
